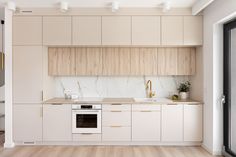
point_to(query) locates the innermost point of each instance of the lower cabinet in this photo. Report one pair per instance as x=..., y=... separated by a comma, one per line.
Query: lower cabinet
x=57, y=123
x=172, y=123
x=87, y=137
x=116, y=133
x=27, y=123
x=193, y=123
x=146, y=122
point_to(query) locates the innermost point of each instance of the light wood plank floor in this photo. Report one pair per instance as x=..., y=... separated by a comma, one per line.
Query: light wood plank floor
x=103, y=151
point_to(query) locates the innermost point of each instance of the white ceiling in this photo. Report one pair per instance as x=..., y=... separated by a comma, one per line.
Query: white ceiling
x=100, y=3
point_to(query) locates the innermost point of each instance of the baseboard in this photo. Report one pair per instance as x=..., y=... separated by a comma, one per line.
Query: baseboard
x=9, y=145
x=212, y=152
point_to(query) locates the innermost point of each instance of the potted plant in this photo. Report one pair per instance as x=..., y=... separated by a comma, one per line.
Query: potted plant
x=184, y=90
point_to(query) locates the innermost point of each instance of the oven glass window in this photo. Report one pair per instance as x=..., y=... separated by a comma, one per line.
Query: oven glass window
x=86, y=121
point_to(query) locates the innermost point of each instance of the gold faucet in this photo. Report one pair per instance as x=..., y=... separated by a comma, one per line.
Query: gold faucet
x=150, y=93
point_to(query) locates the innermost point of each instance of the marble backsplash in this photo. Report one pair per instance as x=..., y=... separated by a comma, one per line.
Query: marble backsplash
x=101, y=86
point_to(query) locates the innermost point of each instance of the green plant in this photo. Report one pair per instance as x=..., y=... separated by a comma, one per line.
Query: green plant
x=184, y=87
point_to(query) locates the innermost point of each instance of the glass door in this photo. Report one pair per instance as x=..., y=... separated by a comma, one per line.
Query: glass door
x=230, y=88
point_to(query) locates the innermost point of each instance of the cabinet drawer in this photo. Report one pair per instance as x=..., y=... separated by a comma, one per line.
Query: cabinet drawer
x=87, y=137
x=116, y=133
x=116, y=107
x=120, y=118
x=146, y=108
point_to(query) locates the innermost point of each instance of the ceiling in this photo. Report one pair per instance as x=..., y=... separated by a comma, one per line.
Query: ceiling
x=100, y=3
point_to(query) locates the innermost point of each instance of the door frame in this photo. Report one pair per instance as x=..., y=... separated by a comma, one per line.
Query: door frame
x=227, y=85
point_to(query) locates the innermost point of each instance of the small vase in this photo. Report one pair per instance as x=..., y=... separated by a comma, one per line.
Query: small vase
x=184, y=95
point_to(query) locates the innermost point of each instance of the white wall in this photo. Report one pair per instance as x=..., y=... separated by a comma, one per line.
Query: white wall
x=215, y=15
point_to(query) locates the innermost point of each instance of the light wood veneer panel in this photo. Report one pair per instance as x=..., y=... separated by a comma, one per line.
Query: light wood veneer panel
x=186, y=61
x=148, y=61
x=134, y=62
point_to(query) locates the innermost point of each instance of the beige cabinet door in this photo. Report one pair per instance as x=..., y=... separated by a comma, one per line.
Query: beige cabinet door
x=27, y=30
x=167, y=61
x=193, y=30
x=27, y=123
x=148, y=61
x=27, y=74
x=143, y=130
x=146, y=30
x=87, y=30
x=88, y=61
x=61, y=61
x=193, y=123
x=186, y=61
x=57, y=123
x=57, y=30
x=172, y=30
x=116, y=30
x=172, y=123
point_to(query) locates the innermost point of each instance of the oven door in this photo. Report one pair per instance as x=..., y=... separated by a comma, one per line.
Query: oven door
x=86, y=121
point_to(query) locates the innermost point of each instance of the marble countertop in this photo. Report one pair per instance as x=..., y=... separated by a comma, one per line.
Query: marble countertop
x=120, y=101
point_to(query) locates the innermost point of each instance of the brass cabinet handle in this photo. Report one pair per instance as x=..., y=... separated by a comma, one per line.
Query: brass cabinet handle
x=116, y=111
x=116, y=104
x=145, y=111
x=115, y=126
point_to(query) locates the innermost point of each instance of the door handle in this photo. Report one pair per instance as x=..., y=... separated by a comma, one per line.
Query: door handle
x=222, y=101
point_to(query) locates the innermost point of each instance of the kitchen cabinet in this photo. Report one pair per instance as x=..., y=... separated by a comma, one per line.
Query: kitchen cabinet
x=172, y=30
x=146, y=122
x=27, y=74
x=146, y=30
x=27, y=123
x=57, y=122
x=27, y=30
x=87, y=30
x=116, y=30
x=167, y=61
x=148, y=61
x=61, y=61
x=57, y=30
x=186, y=61
x=88, y=61
x=193, y=30
x=193, y=123
x=172, y=123
x=116, y=122
x=135, y=62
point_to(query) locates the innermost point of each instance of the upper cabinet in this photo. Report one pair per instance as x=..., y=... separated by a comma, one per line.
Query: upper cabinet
x=27, y=30
x=86, y=30
x=57, y=30
x=172, y=30
x=193, y=30
x=146, y=30
x=186, y=61
x=116, y=30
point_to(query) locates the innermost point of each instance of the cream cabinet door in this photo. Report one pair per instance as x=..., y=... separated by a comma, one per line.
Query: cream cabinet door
x=146, y=30
x=27, y=74
x=57, y=123
x=186, y=61
x=146, y=124
x=193, y=123
x=193, y=30
x=87, y=30
x=116, y=30
x=172, y=30
x=167, y=61
x=61, y=61
x=172, y=123
x=27, y=30
x=57, y=30
x=27, y=123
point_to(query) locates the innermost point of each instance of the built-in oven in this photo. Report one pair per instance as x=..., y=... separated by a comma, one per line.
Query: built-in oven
x=86, y=118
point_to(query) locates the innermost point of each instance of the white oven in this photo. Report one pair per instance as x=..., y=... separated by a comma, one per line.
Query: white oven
x=86, y=118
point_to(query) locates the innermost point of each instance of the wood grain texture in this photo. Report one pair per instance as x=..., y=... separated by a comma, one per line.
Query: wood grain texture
x=167, y=61
x=134, y=62
x=104, y=151
x=111, y=61
x=148, y=61
x=186, y=61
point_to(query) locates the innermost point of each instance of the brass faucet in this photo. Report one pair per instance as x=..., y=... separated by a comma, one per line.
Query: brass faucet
x=150, y=93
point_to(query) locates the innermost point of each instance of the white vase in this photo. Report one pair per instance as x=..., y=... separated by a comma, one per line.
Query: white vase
x=184, y=95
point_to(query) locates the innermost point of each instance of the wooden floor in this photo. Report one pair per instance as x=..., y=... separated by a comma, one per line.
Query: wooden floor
x=103, y=151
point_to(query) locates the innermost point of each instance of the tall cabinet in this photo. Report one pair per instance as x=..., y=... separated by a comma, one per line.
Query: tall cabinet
x=27, y=78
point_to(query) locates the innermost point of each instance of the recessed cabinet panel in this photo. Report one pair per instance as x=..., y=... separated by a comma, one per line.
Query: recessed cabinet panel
x=172, y=30
x=87, y=30
x=27, y=30
x=193, y=30
x=57, y=30
x=27, y=123
x=146, y=30
x=116, y=30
